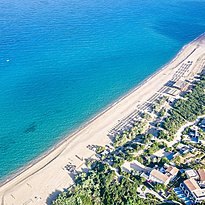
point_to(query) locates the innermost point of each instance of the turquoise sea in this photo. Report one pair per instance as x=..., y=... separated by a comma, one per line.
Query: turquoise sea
x=63, y=61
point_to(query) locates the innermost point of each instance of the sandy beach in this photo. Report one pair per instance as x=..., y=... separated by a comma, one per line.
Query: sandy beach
x=47, y=177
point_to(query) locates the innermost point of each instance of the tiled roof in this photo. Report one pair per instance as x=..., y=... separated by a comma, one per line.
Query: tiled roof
x=191, y=184
x=172, y=170
x=159, y=175
x=201, y=173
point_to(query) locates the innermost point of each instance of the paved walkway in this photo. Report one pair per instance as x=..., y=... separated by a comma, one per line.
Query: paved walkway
x=148, y=191
x=179, y=132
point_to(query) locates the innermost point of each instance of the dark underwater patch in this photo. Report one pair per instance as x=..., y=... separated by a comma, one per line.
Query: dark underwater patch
x=31, y=128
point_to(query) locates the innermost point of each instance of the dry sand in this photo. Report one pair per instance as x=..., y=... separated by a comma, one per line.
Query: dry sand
x=39, y=183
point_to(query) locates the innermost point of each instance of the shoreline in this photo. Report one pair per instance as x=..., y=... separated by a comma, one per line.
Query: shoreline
x=92, y=118
x=60, y=146
x=87, y=122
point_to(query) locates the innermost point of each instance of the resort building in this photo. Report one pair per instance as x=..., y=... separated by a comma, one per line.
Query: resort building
x=172, y=172
x=192, y=190
x=181, y=85
x=163, y=178
x=199, y=195
x=173, y=92
x=201, y=173
x=198, y=175
x=158, y=177
x=186, y=149
x=190, y=173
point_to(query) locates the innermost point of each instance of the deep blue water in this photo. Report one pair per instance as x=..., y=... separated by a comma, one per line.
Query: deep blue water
x=68, y=59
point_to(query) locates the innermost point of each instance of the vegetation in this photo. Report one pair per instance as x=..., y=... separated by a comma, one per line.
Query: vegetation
x=162, y=112
x=100, y=149
x=174, y=197
x=173, y=122
x=146, y=138
x=201, y=134
x=165, y=135
x=101, y=186
x=158, y=104
x=137, y=129
x=146, y=116
x=187, y=108
x=159, y=187
x=155, y=147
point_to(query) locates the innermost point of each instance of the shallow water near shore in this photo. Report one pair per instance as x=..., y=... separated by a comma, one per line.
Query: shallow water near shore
x=61, y=62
